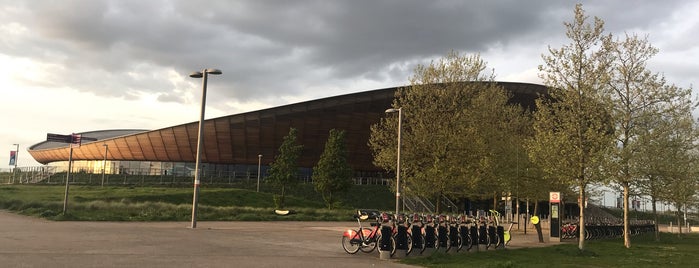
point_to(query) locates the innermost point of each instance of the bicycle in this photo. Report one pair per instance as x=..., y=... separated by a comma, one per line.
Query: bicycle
x=482, y=231
x=455, y=241
x=507, y=235
x=569, y=230
x=401, y=222
x=464, y=223
x=443, y=233
x=416, y=232
x=390, y=241
x=364, y=239
x=430, y=231
x=491, y=233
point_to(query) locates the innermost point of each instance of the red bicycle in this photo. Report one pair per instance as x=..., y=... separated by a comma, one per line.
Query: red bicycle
x=363, y=238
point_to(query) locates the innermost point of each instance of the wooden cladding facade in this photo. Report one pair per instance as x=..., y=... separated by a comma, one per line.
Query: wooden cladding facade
x=240, y=138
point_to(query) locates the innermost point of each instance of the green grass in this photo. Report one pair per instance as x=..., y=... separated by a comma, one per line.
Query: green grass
x=671, y=251
x=94, y=203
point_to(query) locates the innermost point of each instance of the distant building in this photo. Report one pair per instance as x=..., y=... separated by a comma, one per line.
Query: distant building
x=232, y=143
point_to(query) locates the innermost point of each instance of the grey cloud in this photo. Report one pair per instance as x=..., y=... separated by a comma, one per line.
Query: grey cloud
x=280, y=48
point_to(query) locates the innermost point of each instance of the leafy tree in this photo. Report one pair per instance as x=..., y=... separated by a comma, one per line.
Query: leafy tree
x=654, y=160
x=283, y=172
x=454, y=116
x=332, y=174
x=681, y=179
x=637, y=97
x=571, y=128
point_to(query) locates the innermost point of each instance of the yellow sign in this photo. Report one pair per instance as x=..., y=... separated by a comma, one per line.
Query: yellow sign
x=534, y=220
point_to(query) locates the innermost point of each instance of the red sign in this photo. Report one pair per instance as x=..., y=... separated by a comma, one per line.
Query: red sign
x=75, y=140
x=555, y=197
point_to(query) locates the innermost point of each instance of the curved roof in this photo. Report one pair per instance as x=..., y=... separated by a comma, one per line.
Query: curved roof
x=240, y=138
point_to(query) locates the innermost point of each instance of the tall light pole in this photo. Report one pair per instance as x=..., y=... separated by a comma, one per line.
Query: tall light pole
x=14, y=171
x=259, y=165
x=200, y=139
x=400, y=118
x=104, y=164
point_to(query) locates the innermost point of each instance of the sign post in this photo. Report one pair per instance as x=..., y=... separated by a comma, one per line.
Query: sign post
x=75, y=141
x=556, y=213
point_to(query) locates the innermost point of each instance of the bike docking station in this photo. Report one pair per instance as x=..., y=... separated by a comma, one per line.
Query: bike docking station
x=401, y=237
x=483, y=236
x=442, y=233
x=385, y=245
x=430, y=235
x=473, y=231
x=396, y=237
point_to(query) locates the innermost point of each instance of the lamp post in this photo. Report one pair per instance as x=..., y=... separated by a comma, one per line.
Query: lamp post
x=104, y=164
x=200, y=139
x=400, y=117
x=259, y=165
x=14, y=171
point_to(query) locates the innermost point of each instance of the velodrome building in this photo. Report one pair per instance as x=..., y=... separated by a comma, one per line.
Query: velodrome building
x=235, y=146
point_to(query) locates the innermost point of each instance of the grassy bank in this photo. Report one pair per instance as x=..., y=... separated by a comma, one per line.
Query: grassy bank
x=94, y=203
x=671, y=251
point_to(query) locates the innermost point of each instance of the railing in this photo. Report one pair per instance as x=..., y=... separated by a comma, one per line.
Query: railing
x=146, y=176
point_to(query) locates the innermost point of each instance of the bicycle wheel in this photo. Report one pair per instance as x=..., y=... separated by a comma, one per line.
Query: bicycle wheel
x=496, y=243
x=456, y=245
x=468, y=242
x=410, y=244
x=443, y=240
x=420, y=247
x=487, y=241
x=350, y=246
x=368, y=245
x=392, y=244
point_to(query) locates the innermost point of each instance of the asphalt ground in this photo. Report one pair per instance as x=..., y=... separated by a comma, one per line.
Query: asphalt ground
x=33, y=242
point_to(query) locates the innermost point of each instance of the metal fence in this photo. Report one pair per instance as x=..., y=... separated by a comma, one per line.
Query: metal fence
x=149, y=177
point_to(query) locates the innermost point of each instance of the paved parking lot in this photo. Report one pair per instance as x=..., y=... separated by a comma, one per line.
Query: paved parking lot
x=31, y=242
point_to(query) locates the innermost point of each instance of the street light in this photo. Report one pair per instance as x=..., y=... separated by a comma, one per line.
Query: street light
x=104, y=164
x=400, y=115
x=259, y=165
x=200, y=139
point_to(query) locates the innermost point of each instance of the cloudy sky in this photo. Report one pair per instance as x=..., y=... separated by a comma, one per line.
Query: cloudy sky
x=74, y=66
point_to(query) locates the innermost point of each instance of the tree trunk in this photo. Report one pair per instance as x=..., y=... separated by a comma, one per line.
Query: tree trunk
x=655, y=217
x=281, y=198
x=627, y=238
x=437, y=204
x=679, y=222
x=495, y=200
x=581, y=240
